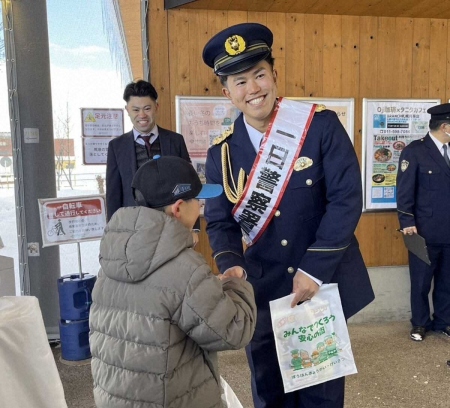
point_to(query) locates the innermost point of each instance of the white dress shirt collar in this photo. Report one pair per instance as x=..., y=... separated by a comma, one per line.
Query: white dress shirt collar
x=255, y=135
x=136, y=135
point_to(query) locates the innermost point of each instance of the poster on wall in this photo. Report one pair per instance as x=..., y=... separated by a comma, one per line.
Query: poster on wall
x=388, y=126
x=200, y=119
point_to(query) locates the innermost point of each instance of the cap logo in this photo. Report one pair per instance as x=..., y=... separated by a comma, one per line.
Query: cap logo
x=234, y=45
x=181, y=189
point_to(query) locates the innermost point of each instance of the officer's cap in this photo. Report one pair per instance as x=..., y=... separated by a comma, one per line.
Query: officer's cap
x=238, y=48
x=440, y=112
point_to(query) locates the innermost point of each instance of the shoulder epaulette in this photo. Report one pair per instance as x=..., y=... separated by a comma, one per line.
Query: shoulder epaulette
x=320, y=108
x=224, y=135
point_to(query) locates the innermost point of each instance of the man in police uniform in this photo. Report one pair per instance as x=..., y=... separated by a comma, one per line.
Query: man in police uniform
x=423, y=194
x=306, y=232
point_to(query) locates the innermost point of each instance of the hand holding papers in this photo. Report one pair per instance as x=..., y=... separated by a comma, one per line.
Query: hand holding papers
x=416, y=244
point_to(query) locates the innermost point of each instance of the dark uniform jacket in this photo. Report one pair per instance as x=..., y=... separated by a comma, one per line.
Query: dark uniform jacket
x=313, y=228
x=423, y=191
x=121, y=166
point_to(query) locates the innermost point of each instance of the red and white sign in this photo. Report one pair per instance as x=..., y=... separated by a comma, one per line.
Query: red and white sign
x=72, y=219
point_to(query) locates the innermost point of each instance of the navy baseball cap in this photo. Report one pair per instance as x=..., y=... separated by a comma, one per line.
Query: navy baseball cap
x=164, y=180
x=238, y=48
x=440, y=112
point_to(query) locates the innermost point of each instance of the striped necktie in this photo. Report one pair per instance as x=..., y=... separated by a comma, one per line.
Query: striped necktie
x=146, y=140
x=445, y=155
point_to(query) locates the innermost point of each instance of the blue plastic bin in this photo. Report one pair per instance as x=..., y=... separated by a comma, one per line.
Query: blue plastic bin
x=75, y=296
x=74, y=339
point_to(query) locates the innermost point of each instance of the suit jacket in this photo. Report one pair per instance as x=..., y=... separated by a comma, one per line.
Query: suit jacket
x=121, y=166
x=423, y=191
x=314, y=226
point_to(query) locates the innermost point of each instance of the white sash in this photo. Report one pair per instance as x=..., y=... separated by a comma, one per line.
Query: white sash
x=273, y=167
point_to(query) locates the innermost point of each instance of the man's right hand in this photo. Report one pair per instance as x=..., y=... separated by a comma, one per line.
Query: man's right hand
x=409, y=230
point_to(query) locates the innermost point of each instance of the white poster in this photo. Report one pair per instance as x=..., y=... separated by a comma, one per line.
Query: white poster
x=388, y=126
x=101, y=122
x=95, y=149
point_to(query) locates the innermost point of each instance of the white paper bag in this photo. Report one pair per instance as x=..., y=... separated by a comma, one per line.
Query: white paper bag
x=312, y=341
x=229, y=398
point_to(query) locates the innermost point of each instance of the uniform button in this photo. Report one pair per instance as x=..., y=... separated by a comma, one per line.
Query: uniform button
x=291, y=269
x=308, y=182
x=430, y=172
x=284, y=242
x=277, y=213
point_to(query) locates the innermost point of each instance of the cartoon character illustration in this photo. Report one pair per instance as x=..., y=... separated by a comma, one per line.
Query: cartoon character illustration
x=306, y=361
x=296, y=361
x=323, y=355
x=315, y=357
x=330, y=346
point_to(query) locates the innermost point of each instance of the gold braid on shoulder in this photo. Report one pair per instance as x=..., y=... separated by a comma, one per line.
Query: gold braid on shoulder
x=235, y=195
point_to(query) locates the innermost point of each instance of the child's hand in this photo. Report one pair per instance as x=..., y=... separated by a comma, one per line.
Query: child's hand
x=234, y=272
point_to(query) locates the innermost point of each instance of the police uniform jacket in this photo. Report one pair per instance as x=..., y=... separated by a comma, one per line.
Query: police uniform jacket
x=122, y=165
x=423, y=191
x=313, y=227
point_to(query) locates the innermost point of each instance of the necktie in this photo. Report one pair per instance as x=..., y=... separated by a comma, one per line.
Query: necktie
x=445, y=155
x=146, y=140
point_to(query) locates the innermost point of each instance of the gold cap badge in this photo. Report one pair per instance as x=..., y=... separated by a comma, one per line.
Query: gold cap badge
x=234, y=45
x=302, y=163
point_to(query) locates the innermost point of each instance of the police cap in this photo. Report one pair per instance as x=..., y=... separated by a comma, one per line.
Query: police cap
x=440, y=112
x=238, y=48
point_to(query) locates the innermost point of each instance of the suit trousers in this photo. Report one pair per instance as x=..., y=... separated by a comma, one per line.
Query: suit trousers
x=421, y=276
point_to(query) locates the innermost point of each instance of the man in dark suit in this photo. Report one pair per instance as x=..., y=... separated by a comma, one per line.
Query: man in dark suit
x=131, y=150
x=305, y=207
x=423, y=194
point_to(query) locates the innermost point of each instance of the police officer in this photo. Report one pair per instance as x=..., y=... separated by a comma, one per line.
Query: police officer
x=304, y=220
x=423, y=193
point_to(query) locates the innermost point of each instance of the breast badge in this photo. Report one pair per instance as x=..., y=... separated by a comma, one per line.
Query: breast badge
x=404, y=165
x=302, y=163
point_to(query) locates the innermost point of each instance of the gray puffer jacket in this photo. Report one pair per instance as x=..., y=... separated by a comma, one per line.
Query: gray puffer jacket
x=159, y=316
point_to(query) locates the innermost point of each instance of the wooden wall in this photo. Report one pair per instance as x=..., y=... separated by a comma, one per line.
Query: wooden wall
x=131, y=21
x=318, y=56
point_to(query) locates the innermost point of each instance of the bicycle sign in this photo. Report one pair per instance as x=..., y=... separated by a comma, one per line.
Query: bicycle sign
x=71, y=219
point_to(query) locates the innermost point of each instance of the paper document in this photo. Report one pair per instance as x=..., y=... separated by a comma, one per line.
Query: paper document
x=417, y=245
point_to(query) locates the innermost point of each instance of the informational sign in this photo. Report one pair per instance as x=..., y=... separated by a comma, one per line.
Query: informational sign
x=95, y=149
x=72, y=219
x=388, y=126
x=101, y=122
x=31, y=135
x=99, y=126
x=200, y=119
